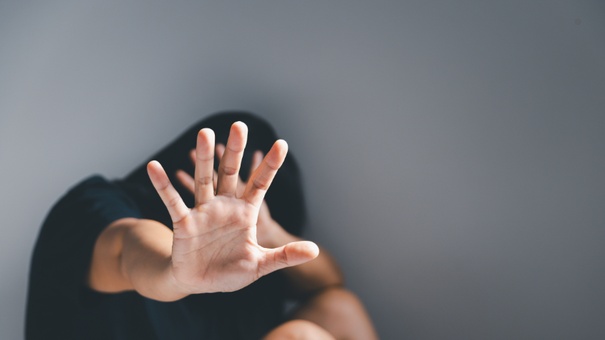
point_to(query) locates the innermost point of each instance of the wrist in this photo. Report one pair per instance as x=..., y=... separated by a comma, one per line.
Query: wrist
x=175, y=290
x=147, y=261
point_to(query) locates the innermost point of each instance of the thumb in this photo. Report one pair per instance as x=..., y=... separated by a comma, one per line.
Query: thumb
x=292, y=254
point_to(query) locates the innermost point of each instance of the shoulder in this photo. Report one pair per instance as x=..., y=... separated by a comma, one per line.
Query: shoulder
x=87, y=208
x=61, y=258
x=77, y=218
x=91, y=186
x=96, y=194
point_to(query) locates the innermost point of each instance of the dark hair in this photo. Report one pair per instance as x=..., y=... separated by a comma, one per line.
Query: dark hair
x=284, y=198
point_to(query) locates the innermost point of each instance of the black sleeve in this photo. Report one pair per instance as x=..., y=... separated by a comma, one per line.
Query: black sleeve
x=63, y=252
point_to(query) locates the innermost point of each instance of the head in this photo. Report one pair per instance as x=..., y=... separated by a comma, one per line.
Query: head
x=284, y=198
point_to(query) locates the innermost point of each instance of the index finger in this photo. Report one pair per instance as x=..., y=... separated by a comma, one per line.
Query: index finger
x=171, y=198
x=260, y=181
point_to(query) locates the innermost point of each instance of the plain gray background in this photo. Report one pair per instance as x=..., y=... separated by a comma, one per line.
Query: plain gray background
x=452, y=151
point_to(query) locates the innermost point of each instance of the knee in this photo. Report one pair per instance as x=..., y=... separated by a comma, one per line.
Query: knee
x=340, y=312
x=338, y=301
x=299, y=330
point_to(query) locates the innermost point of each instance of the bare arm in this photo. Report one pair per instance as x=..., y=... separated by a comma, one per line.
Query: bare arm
x=134, y=254
x=213, y=247
x=320, y=273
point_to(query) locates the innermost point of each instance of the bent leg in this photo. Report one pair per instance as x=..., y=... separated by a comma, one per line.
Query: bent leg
x=298, y=330
x=340, y=312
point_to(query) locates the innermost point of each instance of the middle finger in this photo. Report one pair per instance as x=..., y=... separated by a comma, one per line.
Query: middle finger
x=228, y=170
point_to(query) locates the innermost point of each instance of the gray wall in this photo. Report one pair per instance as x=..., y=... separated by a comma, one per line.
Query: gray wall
x=452, y=151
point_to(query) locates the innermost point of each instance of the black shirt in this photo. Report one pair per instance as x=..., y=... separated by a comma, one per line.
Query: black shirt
x=61, y=306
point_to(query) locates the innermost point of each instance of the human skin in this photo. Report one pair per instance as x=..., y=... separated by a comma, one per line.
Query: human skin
x=213, y=246
x=225, y=242
x=328, y=310
x=321, y=273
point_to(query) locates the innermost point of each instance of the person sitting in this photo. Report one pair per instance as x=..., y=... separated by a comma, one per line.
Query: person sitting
x=206, y=258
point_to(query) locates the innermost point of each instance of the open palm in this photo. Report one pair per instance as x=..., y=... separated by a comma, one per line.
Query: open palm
x=214, y=243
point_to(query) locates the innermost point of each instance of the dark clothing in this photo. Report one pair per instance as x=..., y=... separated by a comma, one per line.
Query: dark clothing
x=61, y=306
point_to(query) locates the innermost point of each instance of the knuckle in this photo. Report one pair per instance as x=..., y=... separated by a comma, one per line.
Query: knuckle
x=172, y=201
x=204, y=180
x=260, y=184
x=229, y=170
x=272, y=166
x=281, y=258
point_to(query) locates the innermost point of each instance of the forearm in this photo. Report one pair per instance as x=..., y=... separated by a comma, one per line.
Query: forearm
x=133, y=254
x=320, y=273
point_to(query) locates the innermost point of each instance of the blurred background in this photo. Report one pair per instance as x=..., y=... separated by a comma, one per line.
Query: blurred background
x=452, y=151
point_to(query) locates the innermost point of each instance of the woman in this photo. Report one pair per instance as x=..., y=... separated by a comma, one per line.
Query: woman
x=128, y=259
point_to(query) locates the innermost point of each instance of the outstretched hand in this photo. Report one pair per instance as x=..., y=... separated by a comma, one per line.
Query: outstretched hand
x=269, y=233
x=215, y=246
